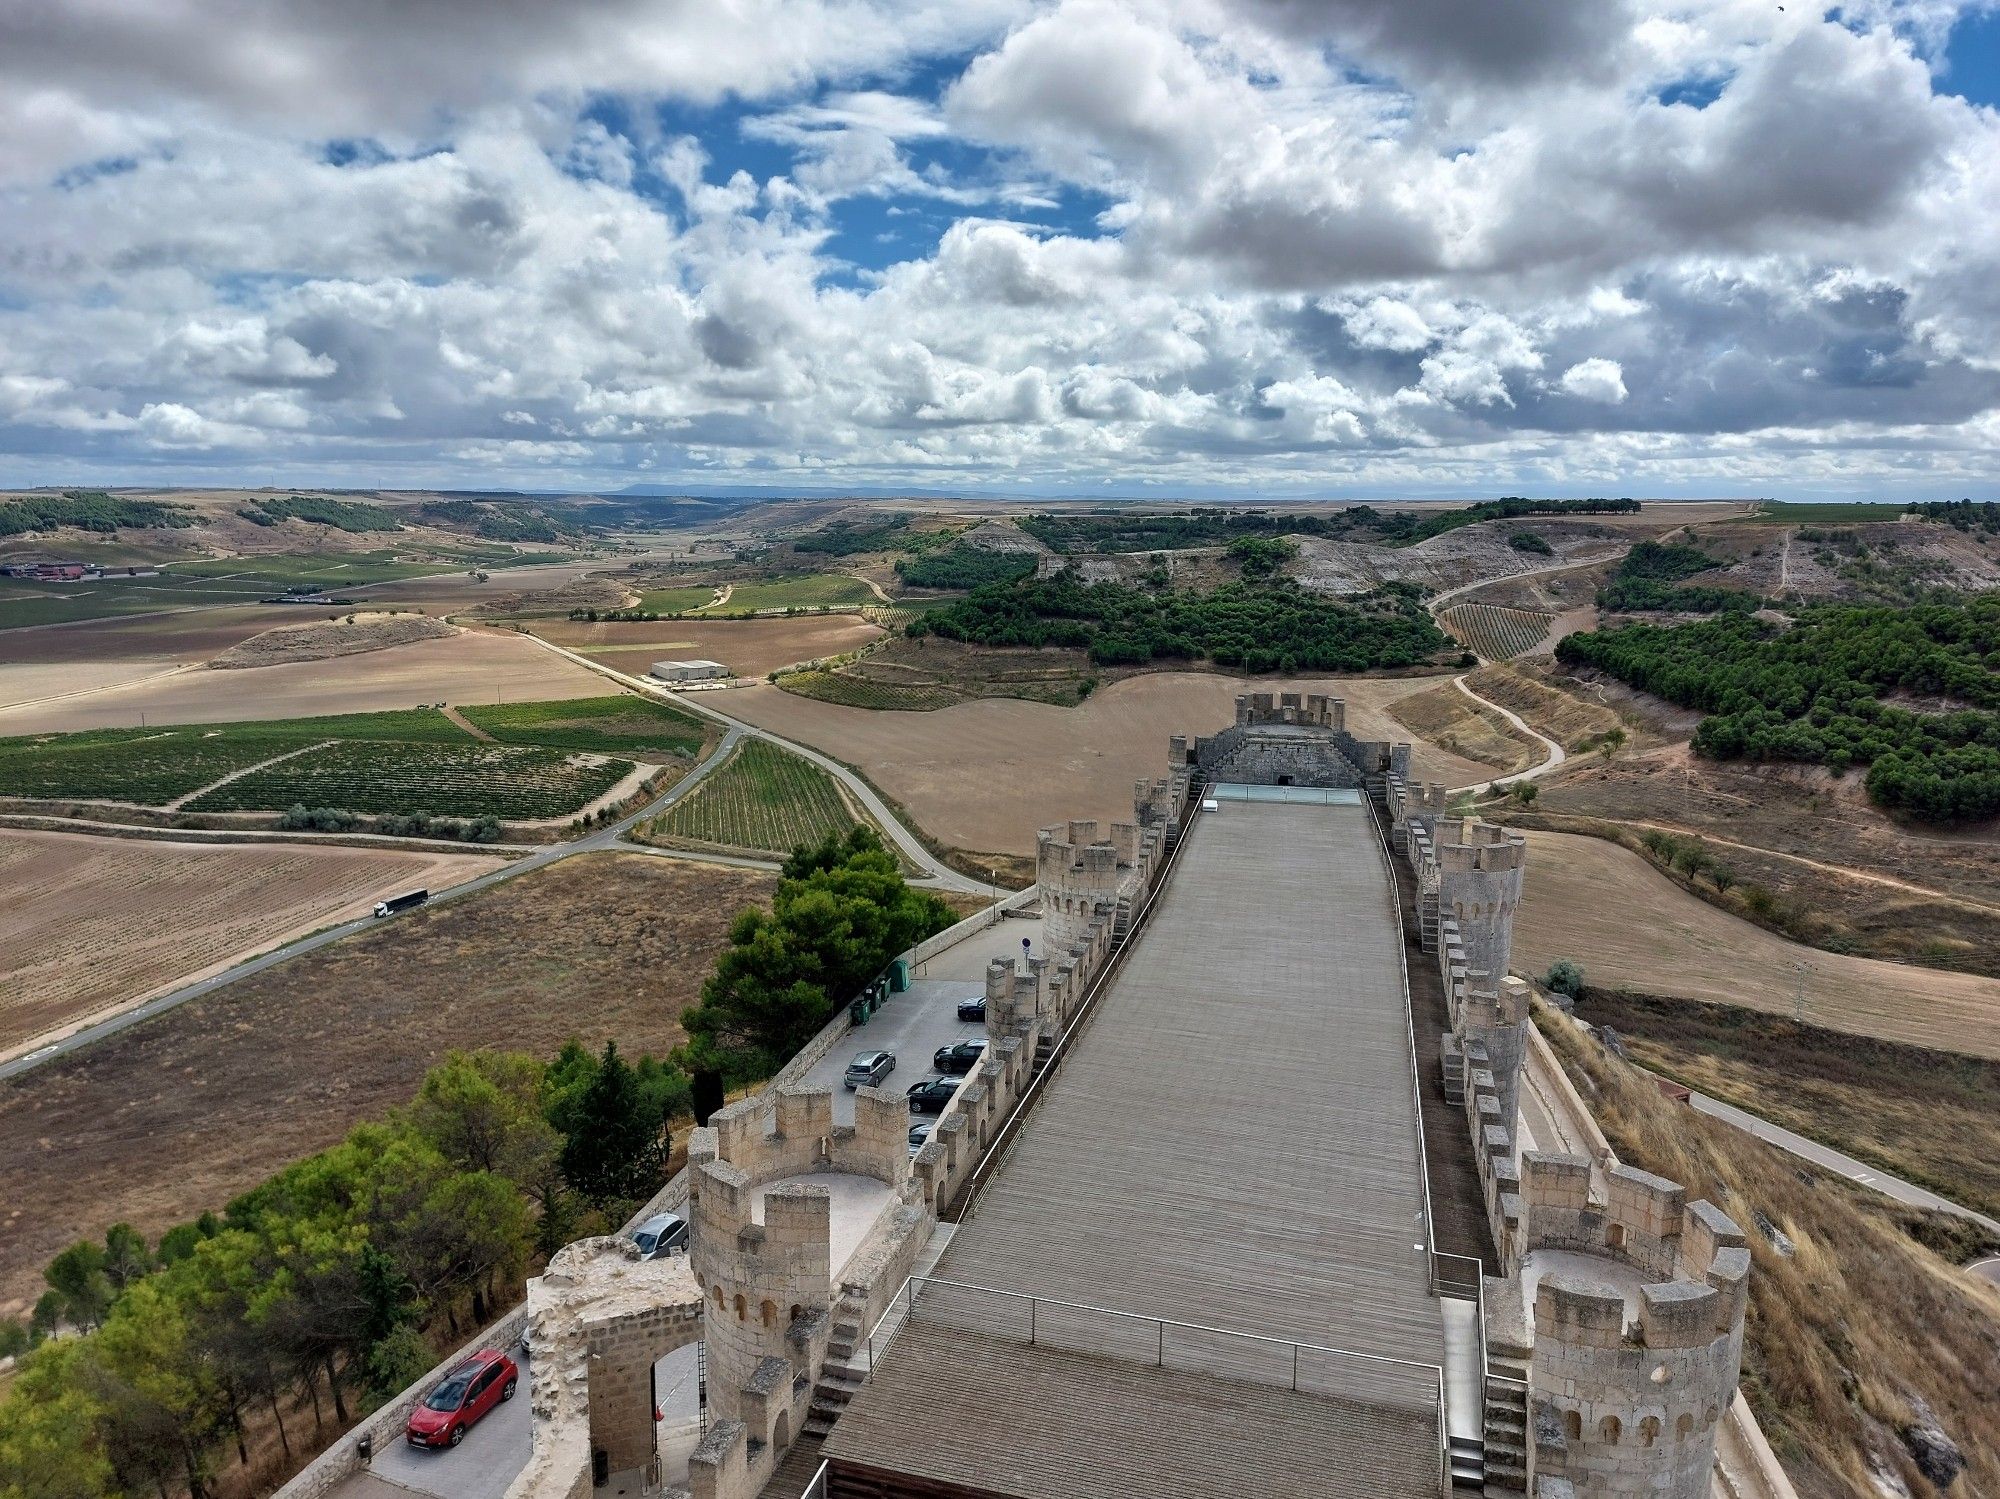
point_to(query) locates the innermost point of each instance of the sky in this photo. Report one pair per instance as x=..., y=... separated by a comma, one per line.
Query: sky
x=1256, y=248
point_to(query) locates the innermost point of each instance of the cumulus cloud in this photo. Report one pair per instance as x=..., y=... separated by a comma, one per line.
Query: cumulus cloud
x=1160, y=244
x=1595, y=380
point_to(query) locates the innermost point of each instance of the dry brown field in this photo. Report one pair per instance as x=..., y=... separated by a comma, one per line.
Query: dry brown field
x=1630, y=927
x=89, y=925
x=985, y=775
x=748, y=647
x=476, y=666
x=447, y=593
x=183, y=635
x=1447, y=718
x=157, y=1123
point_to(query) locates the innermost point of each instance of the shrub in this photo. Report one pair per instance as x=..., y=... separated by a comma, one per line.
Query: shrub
x=300, y=818
x=1564, y=977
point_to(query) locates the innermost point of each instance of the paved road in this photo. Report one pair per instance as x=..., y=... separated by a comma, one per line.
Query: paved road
x=1833, y=1160
x=609, y=836
x=941, y=875
x=486, y=1462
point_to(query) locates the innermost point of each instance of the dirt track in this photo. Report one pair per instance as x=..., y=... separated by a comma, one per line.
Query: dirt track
x=180, y=1114
x=1653, y=938
x=88, y=924
x=985, y=775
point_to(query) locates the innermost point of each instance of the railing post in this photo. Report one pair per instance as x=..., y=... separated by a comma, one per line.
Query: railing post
x=1160, y=1358
x=1295, y=1368
x=1034, y=1306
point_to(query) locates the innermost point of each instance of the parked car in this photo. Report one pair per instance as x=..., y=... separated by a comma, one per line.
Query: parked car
x=972, y=1009
x=661, y=1234
x=462, y=1398
x=960, y=1058
x=868, y=1069
x=918, y=1134
x=930, y=1097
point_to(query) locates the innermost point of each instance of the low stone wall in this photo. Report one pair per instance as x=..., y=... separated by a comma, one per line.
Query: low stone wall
x=342, y=1460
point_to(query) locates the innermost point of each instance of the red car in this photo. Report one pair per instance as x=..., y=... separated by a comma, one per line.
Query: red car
x=466, y=1394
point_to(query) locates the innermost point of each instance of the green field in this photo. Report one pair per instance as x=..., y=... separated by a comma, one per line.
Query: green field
x=818, y=591
x=417, y=760
x=463, y=780
x=675, y=600
x=24, y=602
x=1823, y=512
x=762, y=798
x=290, y=570
x=604, y=725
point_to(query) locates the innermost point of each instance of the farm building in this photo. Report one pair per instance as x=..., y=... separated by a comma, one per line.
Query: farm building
x=689, y=671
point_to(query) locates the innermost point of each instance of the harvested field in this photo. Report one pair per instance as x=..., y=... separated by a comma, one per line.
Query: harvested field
x=188, y=636
x=1446, y=717
x=89, y=924
x=324, y=640
x=762, y=799
x=475, y=666
x=984, y=775
x=162, y=1121
x=748, y=647
x=1570, y=712
x=1652, y=937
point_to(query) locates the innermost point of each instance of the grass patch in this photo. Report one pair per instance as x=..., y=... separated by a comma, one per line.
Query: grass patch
x=621, y=725
x=1810, y=512
x=817, y=591
x=762, y=798
x=674, y=600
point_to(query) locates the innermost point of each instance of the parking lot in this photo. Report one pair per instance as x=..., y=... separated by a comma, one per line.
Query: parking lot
x=912, y=1025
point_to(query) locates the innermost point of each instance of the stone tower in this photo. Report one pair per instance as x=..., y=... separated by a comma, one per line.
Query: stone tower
x=1479, y=887
x=1079, y=879
x=1637, y=1329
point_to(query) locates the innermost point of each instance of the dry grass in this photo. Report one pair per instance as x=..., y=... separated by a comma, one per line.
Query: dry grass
x=155, y=1124
x=1632, y=928
x=1565, y=710
x=748, y=647
x=1849, y=1332
x=1932, y=1117
x=1449, y=719
x=89, y=925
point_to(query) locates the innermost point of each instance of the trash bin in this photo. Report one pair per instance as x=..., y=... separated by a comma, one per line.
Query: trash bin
x=857, y=1012
x=899, y=975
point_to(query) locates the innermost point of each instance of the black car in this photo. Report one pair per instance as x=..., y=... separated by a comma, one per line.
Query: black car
x=960, y=1058
x=972, y=1009
x=931, y=1097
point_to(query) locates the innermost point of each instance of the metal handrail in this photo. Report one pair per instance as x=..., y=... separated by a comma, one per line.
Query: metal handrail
x=816, y=1485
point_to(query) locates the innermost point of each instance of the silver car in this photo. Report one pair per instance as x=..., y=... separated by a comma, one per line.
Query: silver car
x=869, y=1068
x=660, y=1234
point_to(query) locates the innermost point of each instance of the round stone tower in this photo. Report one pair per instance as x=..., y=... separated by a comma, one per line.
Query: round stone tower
x=1637, y=1304
x=1078, y=876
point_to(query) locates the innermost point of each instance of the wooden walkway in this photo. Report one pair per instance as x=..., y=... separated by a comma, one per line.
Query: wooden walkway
x=1233, y=1142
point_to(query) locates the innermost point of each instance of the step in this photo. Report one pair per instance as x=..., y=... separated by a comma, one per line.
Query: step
x=1458, y=1445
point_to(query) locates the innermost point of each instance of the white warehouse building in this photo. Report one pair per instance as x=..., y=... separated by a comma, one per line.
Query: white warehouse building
x=690, y=671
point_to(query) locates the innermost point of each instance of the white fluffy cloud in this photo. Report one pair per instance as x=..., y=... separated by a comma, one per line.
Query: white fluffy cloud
x=1263, y=245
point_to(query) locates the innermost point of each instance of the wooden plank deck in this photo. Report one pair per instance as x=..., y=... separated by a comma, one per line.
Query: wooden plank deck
x=1233, y=1143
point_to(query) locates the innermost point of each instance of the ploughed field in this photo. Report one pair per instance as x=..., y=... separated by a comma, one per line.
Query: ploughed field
x=762, y=799
x=157, y=1123
x=88, y=923
x=519, y=761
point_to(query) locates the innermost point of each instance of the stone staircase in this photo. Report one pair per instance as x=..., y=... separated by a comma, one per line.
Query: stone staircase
x=841, y=1375
x=1505, y=1467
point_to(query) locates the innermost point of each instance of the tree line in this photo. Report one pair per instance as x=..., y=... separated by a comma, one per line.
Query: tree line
x=87, y=510
x=1263, y=625
x=148, y=1368
x=1652, y=576
x=1912, y=694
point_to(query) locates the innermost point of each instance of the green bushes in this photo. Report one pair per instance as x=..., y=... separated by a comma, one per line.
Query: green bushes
x=341, y=515
x=87, y=510
x=1822, y=693
x=842, y=911
x=1274, y=626
x=1528, y=541
x=964, y=567
x=1262, y=556
x=1646, y=579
